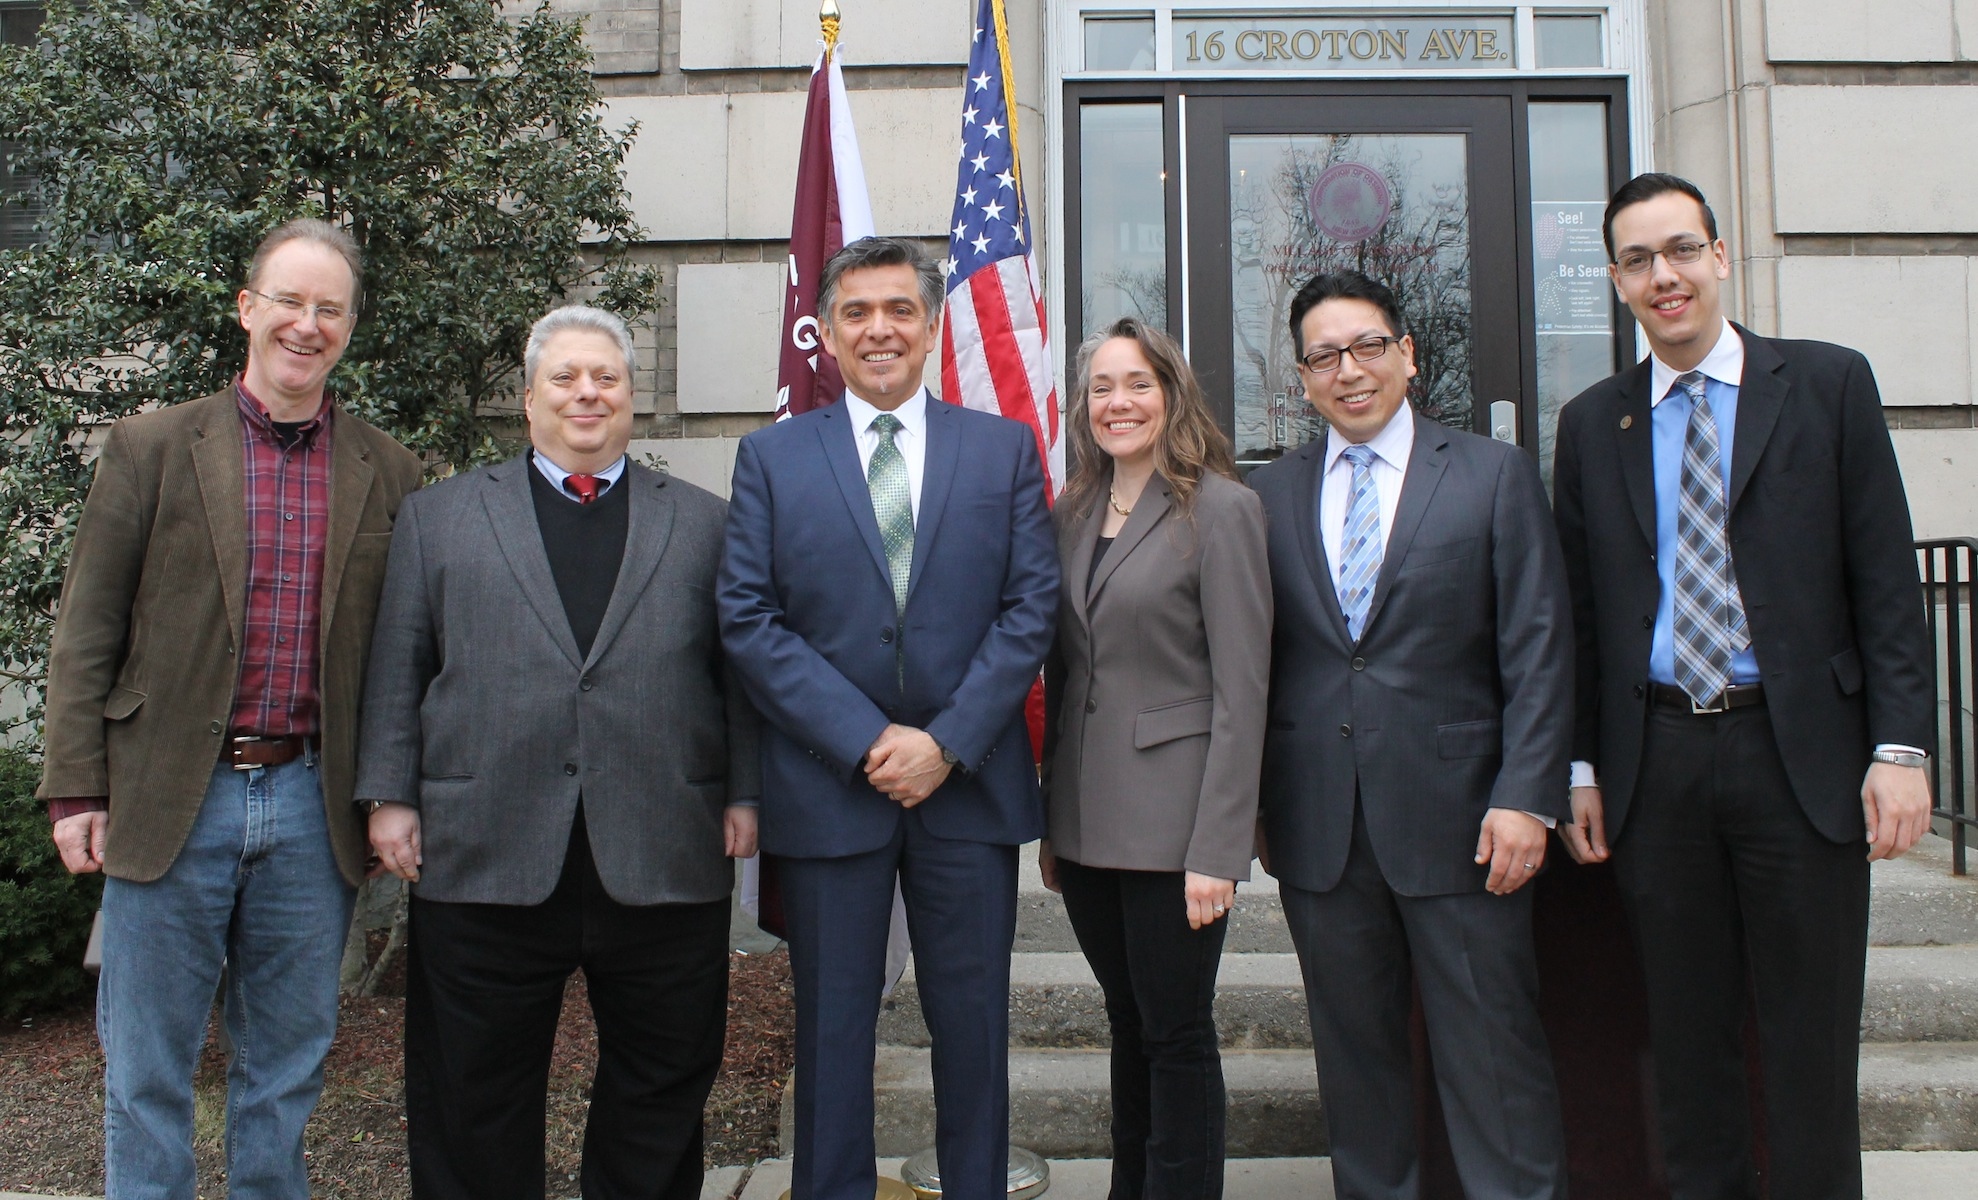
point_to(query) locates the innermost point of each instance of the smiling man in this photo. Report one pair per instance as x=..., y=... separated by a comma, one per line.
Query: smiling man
x=1421, y=680
x=557, y=760
x=1754, y=695
x=889, y=591
x=203, y=689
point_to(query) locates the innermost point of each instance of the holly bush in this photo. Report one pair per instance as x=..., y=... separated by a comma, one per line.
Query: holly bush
x=463, y=149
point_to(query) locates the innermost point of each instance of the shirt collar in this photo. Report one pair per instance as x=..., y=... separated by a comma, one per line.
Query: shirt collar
x=556, y=475
x=1724, y=363
x=912, y=414
x=256, y=414
x=1392, y=445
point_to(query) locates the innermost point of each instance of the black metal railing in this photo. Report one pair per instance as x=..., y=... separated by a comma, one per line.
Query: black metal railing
x=1949, y=567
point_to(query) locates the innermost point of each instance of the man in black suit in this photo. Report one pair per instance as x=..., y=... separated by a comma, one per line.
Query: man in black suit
x=1416, y=751
x=1754, y=694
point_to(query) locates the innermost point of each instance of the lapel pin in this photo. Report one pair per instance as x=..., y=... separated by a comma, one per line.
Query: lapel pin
x=1628, y=422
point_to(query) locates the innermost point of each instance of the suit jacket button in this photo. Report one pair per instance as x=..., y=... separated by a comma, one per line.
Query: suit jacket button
x=585, y=683
x=1359, y=664
x=1640, y=691
x=1091, y=706
x=1648, y=622
x=886, y=634
x=569, y=768
x=1345, y=731
x=215, y=727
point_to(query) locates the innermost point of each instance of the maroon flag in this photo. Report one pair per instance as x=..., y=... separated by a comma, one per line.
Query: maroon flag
x=832, y=208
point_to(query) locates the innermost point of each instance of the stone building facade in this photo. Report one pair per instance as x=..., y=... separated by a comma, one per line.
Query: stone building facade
x=1833, y=137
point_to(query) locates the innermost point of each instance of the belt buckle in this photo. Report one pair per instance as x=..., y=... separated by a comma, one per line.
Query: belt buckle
x=1723, y=705
x=233, y=751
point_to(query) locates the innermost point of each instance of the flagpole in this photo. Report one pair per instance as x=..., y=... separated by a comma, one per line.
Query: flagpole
x=827, y=20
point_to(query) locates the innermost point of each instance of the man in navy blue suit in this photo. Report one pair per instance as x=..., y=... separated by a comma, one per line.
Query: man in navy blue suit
x=889, y=591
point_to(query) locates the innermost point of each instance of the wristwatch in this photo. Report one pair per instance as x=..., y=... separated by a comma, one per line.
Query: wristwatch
x=949, y=756
x=1902, y=758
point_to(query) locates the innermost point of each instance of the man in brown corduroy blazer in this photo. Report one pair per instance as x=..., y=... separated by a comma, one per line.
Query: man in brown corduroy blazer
x=203, y=689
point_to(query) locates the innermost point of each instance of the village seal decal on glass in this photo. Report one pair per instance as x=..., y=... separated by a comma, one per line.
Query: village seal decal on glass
x=1349, y=202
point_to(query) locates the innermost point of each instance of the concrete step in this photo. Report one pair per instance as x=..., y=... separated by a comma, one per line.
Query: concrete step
x=1914, y=1096
x=1915, y=901
x=1887, y=1175
x=1914, y=993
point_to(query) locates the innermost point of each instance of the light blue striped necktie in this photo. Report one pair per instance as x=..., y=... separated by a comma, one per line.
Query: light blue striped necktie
x=1709, y=624
x=1360, y=544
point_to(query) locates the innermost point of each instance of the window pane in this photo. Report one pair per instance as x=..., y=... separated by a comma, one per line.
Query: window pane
x=1569, y=261
x=1123, y=244
x=1569, y=42
x=19, y=23
x=1394, y=205
x=1116, y=44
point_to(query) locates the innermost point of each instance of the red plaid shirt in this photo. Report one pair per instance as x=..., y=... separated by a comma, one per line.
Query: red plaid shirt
x=288, y=524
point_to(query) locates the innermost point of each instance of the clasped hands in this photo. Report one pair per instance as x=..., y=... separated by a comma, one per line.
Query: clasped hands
x=905, y=764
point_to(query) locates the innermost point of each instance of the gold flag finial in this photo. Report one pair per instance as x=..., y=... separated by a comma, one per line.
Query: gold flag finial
x=827, y=16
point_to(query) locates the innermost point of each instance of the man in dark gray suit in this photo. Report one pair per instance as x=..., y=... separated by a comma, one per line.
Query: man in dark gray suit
x=556, y=758
x=1420, y=720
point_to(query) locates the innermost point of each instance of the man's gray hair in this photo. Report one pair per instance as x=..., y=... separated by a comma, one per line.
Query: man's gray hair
x=580, y=317
x=309, y=229
x=880, y=252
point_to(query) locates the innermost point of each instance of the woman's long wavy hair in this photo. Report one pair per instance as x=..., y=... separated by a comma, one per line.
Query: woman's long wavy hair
x=1190, y=443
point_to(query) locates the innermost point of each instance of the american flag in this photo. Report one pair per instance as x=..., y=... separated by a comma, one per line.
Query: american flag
x=993, y=352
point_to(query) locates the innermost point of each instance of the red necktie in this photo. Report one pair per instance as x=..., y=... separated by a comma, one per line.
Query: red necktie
x=585, y=486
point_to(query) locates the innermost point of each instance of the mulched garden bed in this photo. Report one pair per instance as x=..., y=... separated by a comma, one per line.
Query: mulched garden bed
x=51, y=1097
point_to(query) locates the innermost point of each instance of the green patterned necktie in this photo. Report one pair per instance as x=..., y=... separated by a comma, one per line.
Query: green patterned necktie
x=892, y=504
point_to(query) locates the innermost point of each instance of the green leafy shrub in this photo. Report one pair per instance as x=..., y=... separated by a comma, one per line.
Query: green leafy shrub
x=44, y=911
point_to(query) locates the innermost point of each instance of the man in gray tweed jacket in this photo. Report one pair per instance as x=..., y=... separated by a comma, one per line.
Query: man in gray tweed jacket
x=556, y=759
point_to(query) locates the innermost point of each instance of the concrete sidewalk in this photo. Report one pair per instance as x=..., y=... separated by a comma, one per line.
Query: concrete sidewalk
x=1892, y=1175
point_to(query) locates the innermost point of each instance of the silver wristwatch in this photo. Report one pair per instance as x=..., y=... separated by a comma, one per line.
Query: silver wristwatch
x=1902, y=758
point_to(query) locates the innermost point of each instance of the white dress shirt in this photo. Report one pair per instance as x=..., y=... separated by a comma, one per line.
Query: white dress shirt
x=607, y=478
x=911, y=438
x=1391, y=447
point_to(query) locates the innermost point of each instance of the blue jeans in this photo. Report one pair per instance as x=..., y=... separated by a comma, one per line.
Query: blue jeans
x=256, y=890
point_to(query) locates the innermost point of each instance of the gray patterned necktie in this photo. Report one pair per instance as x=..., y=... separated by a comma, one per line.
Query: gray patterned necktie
x=1709, y=623
x=892, y=504
x=1360, y=544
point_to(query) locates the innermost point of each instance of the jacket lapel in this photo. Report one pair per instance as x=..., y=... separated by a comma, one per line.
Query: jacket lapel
x=1426, y=463
x=1082, y=540
x=839, y=442
x=222, y=474
x=512, y=512
x=350, y=483
x=648, y=528
x=1761, y=397
x=1634, y=440
x=1155, y=501
x=937, y=480
x=1311, y=479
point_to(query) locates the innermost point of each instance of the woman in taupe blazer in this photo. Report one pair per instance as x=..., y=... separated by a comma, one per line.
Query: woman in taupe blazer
x=1156, y=693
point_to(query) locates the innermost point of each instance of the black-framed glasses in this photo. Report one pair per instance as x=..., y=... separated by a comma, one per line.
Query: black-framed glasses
x=326, y=314
x=1676, y=254
x=1326, y=358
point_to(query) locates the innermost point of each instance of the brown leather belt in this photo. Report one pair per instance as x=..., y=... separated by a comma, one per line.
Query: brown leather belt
x=246, y=752
x=1741, y=695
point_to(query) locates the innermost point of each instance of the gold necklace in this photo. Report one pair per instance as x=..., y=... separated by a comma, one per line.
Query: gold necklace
x=1112, y=498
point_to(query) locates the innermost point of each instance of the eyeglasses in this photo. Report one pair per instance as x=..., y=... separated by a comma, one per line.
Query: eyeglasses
x=325, y=314
x=1676, y=254
x=1326, y=358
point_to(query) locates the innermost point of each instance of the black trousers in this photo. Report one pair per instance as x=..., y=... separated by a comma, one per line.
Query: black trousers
x=1159, y=977
x=1726, y=881
x=1363, y=948
x=483, y=993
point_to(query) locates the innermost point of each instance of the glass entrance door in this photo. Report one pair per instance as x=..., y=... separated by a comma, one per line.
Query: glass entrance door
x=1416, y=191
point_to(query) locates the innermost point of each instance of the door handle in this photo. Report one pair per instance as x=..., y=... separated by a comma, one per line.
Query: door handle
x=1504, y=421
